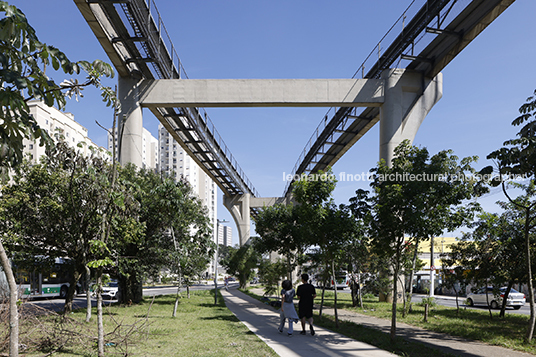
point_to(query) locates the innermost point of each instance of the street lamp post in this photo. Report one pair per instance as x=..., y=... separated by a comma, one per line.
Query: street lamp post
x=216, y=260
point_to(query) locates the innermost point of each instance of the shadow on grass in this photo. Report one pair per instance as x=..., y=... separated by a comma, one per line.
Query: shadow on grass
x=231, y=318
x=380, y=339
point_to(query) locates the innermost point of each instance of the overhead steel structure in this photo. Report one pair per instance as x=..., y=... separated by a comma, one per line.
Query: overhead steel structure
x=440, y=30
x=136, y=41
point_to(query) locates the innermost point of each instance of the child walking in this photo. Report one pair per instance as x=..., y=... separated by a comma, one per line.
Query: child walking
x=288, y=312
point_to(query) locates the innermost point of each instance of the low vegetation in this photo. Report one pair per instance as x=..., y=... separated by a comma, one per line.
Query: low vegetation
x=147, y=329
x=474, y=324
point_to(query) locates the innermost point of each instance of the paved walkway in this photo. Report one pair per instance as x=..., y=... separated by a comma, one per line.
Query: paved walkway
x=263, y=320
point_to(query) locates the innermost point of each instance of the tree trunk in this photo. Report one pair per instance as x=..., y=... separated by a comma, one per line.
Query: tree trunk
x=335, y=291
x=13, y=297
x=68, y=307
x=411, y=277
x=359, y=293
x=393, y=311
x=532, y=320
x=322, y=300
x=354, y=291
x=506, y=293
x=88, y=294
x=457, y=304
x=404, y=295
x=100, y=325
x=177, y=299
x=289, y=268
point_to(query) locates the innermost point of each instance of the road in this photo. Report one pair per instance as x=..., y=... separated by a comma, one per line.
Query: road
x=451, y=302
x=80, y=301
x=56, y=304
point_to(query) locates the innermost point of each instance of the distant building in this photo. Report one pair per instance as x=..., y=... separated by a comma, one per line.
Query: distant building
x=149, y=150
x=59, y=124
x=422, y=277
x=176, y=162
x=225, y=235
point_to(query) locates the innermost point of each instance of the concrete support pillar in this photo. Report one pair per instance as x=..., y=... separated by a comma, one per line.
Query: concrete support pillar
x=238, y=206
x=408, y=99
x=130, y=122
x=409, y=96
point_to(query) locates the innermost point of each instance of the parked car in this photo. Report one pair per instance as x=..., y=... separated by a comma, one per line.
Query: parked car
x=109, y=291
x=515, y=298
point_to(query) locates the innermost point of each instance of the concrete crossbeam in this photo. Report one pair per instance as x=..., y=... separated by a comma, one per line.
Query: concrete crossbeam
x=261, y=202
x=262, y=93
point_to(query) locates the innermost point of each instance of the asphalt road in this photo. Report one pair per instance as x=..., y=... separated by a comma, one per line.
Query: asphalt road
x=80, y=301
x=57, y=304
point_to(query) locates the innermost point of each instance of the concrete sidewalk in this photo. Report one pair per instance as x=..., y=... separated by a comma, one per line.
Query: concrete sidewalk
x=263, y=320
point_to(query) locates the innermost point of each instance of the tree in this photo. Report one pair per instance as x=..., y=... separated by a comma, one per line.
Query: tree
x=281, y=230
x=177, y=231
x=56, y=208
x=490, y=254
x=517, y=159
x=330, y=233
x=418, y=196
x=289, y=229
x=241, y=262
x=270, y=274
x=24, y=61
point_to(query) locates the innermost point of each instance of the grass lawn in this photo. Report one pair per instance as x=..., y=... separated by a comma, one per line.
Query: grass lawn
x=472, y=324
x=148, y=329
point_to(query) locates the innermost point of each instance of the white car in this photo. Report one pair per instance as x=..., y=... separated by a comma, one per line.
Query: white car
x=109, y=291
x=515, y=298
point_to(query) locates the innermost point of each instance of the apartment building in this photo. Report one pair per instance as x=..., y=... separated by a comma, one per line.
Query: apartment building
x=225, y=235
x=177, y=163
x=57, y=123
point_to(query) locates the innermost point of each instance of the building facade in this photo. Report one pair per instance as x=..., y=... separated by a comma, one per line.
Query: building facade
x=225, y=235
x=59, y=124
x=176, y=162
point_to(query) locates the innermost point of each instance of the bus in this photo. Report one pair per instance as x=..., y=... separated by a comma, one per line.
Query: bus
x=48, y=281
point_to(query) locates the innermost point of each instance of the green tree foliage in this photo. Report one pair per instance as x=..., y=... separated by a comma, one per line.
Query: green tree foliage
x=177, y=232
x=490, y=254
x=242, y=261
x=270, y=274
x=55, y=209
x=24, y=63
x=282, y=230
x=517, y=158
x=417, y=196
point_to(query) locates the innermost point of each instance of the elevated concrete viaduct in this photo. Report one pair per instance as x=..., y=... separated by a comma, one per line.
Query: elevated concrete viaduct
x=404, y=97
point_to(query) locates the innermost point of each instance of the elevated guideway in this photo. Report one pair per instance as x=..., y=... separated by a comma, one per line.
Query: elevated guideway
x=435, y=35
x=151, y=75
x=135, y=39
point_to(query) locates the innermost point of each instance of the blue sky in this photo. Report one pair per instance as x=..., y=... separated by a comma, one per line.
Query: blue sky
x=483, y=87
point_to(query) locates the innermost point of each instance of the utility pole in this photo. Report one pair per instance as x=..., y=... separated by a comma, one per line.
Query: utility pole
x=432, y=267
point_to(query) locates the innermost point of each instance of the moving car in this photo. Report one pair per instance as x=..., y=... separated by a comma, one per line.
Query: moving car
x=515, y=298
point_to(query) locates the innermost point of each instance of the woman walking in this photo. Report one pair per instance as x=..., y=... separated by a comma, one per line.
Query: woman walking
x=288, y=312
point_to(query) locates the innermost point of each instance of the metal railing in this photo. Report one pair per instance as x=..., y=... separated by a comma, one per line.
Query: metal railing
x=168, y=65
x=373, y=64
